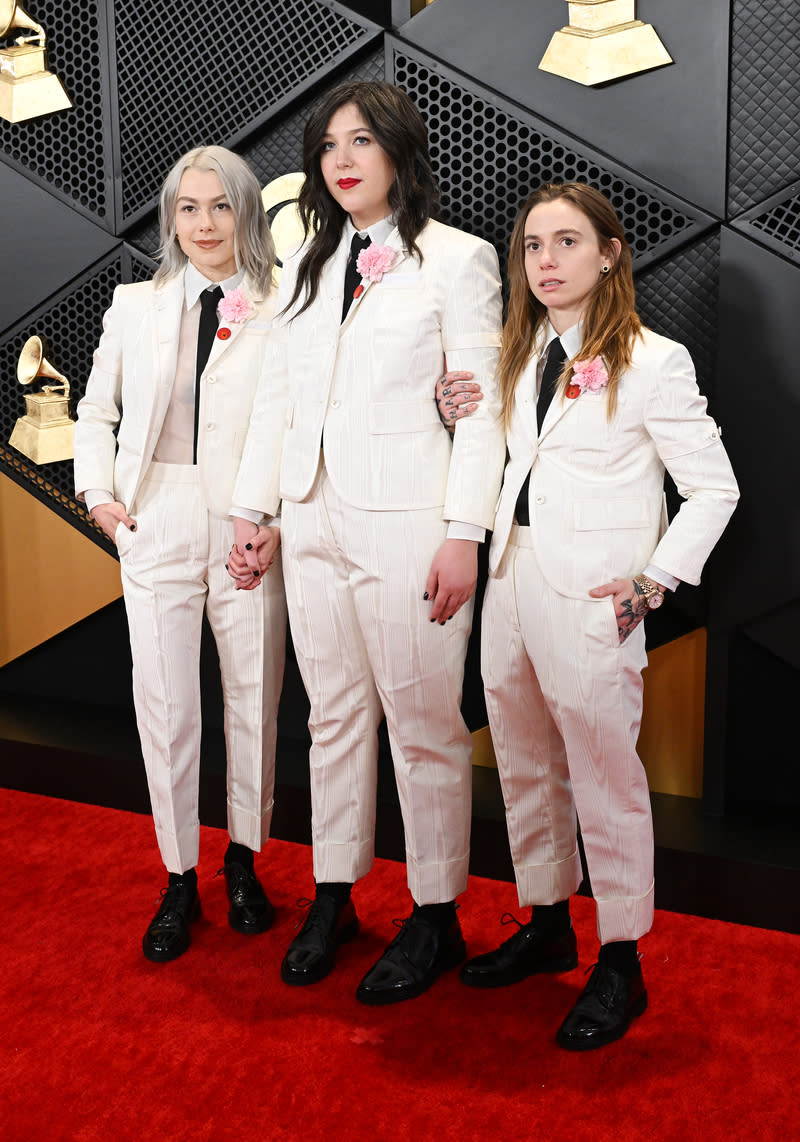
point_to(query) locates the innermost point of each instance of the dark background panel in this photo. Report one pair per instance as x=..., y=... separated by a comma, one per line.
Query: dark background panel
x=764, y=122
x=668, y=124
x=758, y=404
x=45, y=245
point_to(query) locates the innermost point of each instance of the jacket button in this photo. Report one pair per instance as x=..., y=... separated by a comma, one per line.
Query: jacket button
x=211, y=426
x=335, y=403
x=211, y=380
x=540, y=499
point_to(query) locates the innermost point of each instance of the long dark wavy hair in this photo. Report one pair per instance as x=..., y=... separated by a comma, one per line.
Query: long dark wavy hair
x=413, y=197
x=610, y=321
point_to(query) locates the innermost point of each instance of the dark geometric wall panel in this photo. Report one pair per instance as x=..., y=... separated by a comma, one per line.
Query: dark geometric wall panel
x=668, y=124
x=69, y=151
x=764, y=150
x=680, y=298
x=488, y=155
x=71, y=323
x=776, y=223
x=278, y=148
x=253, y=59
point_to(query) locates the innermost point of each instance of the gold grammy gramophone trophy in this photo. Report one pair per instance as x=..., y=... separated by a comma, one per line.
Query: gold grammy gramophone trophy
x=45, y=433
x=27, y=88
x=603, y=41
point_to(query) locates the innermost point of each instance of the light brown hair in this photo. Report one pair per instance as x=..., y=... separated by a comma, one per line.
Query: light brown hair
x=610, y=322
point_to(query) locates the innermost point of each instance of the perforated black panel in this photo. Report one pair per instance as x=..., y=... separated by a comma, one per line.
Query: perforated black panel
x=68, y=149
x=489, y=156
x=680, y=298
x=278, y=149
x=208, y=71
x=778, y=226
x=764, y=146
x=71, y=325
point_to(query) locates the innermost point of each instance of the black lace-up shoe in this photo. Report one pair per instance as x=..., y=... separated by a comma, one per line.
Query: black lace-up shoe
x=167, y=936
x=312, y=953
x=525, y=953
x=250, y=910
x=605, y=1010
x=414, y=960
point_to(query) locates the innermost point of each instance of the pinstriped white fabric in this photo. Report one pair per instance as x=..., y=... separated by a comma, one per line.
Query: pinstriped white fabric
x=564, y=702
x=173, y=569
x=355, y=581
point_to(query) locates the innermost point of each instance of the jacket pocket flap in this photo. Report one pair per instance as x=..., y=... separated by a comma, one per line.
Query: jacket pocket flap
x=610, y=515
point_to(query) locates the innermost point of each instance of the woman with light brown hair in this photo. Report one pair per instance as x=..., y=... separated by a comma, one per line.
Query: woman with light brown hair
x=596, y=407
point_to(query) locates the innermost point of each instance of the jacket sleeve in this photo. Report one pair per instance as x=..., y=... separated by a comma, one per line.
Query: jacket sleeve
x=471, y=331
x=257, y=485
x=100, y=409
x=690, y=446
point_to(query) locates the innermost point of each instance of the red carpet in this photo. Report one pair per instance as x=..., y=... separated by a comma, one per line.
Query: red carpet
x=98, y=1043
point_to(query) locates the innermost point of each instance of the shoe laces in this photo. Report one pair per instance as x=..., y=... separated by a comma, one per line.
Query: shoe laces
x=314, y=918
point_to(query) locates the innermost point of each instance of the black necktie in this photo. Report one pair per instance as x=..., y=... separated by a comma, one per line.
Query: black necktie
x=556, y=357
x=352, y=278
x=209, y=300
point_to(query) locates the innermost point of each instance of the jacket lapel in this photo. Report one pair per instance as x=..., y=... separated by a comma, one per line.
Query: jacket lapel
x=395, y=242
x=231, y=330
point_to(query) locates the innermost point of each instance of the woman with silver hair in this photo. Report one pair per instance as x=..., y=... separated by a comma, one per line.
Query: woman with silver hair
x=157, y=446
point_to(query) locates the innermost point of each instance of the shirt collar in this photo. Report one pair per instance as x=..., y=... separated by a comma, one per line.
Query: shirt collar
x=571, y=339
x=194, y=283
x=378, y=231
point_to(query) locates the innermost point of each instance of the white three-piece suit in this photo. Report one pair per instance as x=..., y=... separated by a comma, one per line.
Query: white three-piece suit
x=564, y=697
x=361, y=527
x=173, y=565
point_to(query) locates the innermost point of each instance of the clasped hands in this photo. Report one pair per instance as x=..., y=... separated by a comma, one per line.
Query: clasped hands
x=253, y=552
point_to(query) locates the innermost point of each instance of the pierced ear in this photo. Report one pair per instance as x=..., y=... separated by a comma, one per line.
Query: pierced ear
x=611, y=253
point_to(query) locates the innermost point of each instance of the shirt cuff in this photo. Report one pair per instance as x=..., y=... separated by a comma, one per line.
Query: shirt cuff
x=662, y=577
x=456, y=530
x=94, y=497
x=249, y=514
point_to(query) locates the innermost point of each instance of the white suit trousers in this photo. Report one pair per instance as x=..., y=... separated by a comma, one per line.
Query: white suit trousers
x=173, y=567
x=355, y=581
x=565, y=704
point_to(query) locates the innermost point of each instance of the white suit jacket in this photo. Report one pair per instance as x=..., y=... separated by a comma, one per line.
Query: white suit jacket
x=368, y=382
x=131, y=382
x=596, y=492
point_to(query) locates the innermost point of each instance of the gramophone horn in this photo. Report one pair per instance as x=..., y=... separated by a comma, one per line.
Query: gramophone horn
x=32, y=363
x=13, y=15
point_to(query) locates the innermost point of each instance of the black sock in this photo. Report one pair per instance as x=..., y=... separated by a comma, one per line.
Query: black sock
x=552, y=919
x=440, y=915
x=189, y=878
x=622, y=956
x=239, y=854
x=338, y=890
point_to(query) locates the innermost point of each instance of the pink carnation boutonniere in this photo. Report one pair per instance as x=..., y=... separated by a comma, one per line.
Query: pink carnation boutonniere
x=235, y=307
x=373, y=262
x=587, y=376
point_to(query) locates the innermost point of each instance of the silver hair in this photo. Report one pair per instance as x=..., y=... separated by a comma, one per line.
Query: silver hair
x=253, y=245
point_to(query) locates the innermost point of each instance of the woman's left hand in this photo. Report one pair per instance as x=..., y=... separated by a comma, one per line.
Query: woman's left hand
x=456, y=396
x=452, y=578
x=630, y=604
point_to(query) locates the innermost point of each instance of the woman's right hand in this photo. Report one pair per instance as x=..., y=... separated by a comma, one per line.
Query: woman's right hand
x=456, y=396
x=109, y=516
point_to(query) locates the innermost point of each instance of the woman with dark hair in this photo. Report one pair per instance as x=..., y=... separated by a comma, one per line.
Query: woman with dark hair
x=382, y=515
x=596, y=406
x=157, y=443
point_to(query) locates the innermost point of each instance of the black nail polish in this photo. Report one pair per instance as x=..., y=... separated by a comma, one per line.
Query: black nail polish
x=248, y=547
x=442, y=622
x=256, y=573
x=425, y=596
x=226, y=567
x=133, y=527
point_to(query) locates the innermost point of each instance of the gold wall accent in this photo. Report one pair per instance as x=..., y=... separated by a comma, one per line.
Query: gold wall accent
x=603, y=41
x=51, y=576
x=671, y=738
x=286, y=225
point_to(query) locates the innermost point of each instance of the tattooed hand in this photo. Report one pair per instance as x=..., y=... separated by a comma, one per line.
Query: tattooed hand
x=630, y=604
x=456, y=397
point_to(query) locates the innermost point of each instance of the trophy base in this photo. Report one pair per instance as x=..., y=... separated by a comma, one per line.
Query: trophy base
x=44, y=445
x=29, y=96
x=590, y=58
